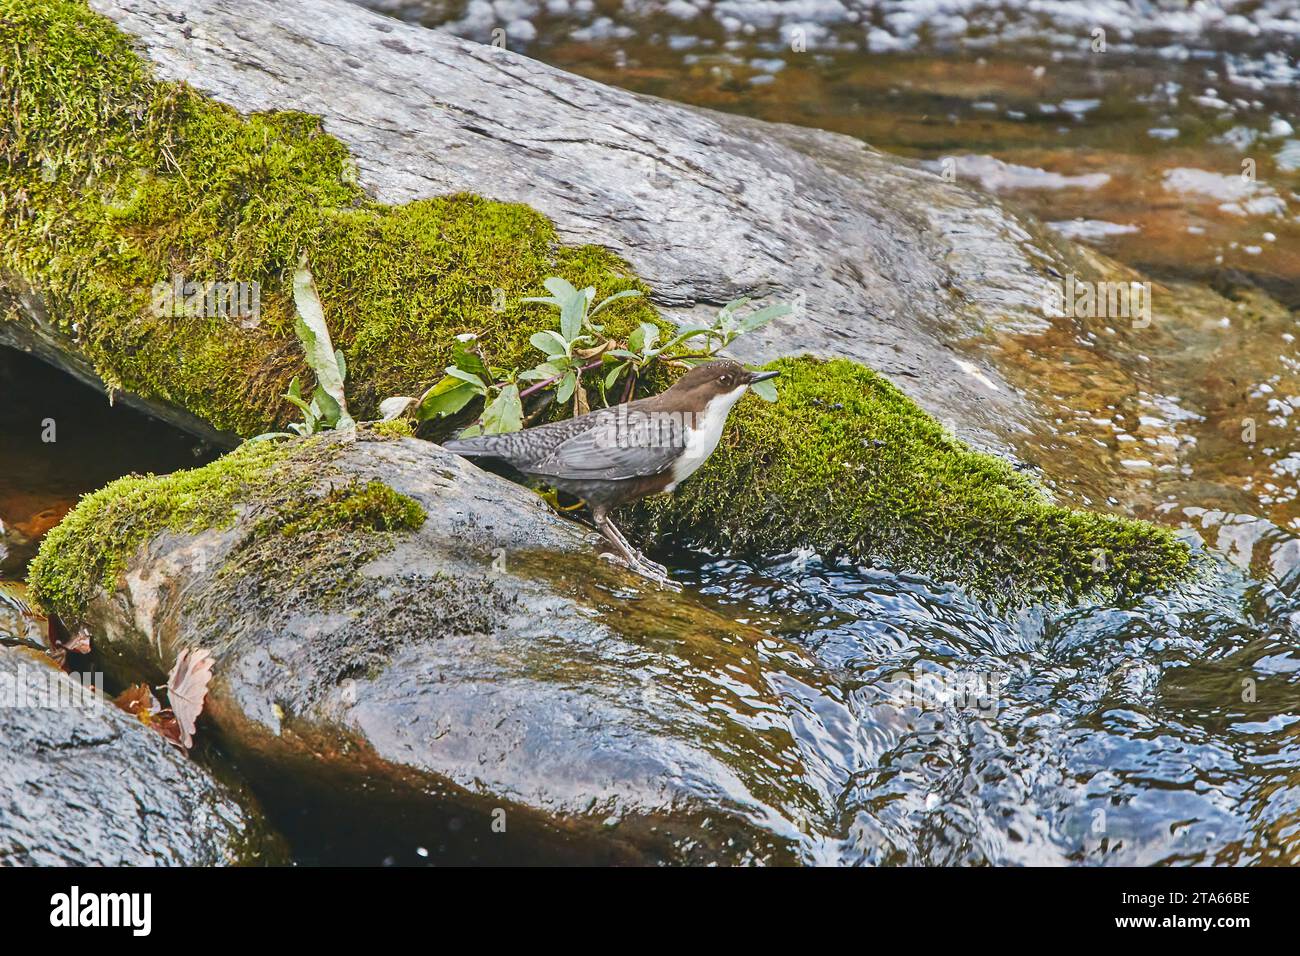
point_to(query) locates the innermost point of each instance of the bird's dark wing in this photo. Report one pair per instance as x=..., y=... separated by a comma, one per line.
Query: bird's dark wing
x=608, y=444
x=524, y=447
x=620, y=446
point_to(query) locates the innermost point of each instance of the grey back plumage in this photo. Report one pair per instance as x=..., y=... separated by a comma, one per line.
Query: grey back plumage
x=610, y=444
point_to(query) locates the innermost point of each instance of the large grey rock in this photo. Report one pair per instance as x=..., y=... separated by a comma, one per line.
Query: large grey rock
x=894, y=266
x=484, y=671
x=85, y=784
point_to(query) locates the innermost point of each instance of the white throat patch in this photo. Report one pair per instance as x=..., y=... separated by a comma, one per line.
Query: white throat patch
x=704, y=437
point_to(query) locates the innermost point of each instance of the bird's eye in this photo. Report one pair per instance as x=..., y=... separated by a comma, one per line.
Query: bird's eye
x=726, y=380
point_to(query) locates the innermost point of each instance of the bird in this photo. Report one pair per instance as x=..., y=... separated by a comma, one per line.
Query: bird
x=614, y=456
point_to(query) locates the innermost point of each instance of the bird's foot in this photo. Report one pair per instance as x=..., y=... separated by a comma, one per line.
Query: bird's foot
x=658, y=574
x=639, y=564
x=655, y=566
x=653, y=570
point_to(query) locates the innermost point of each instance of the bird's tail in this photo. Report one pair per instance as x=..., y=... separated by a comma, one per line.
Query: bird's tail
x=469, y=447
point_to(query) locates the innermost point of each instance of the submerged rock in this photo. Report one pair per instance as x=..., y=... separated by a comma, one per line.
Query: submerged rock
x=411, y=652
x=84, y=784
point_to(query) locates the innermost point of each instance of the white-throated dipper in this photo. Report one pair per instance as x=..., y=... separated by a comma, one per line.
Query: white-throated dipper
x=614, y=456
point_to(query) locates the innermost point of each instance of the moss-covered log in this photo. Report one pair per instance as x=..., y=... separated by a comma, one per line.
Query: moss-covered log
x=113, y=182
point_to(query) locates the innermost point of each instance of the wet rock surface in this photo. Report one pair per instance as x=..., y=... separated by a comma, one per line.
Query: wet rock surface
x=85, y=784
x=483, y=688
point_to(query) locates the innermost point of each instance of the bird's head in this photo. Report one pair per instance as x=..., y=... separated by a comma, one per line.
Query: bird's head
x=698, y=387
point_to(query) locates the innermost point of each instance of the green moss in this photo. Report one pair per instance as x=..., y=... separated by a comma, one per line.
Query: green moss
x=373, y=506
x=93, y=544
x=844, y=463
x=393, y=429
x=113, y=182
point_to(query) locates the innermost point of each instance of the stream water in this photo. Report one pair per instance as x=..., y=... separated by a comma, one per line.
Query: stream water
x=1164, y=732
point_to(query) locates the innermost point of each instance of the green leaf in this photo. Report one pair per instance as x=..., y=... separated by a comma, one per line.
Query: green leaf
x=505, y=414
x=565, y=389
x=469, y=378
x=310, y=419
x=650, y=335
x=550, y=343
x=294, y=395
x=625, y=294
x=446, y=397
x=330, y=413
x=562, y=289
x=468, y=361
x=756, y=320
x=766, y=390
x=540, y=373
x=314, y=334
x=573, y=305
x=614, y=373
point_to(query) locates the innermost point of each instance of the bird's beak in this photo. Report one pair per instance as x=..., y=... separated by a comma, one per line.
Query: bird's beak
x=761, y=376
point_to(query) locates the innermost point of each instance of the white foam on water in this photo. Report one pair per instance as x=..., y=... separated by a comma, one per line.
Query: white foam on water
x=1092, y=229
x=997, y=176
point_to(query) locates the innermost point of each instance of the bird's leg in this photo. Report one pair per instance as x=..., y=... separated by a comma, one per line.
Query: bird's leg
x=658, y=568
x=630, y=555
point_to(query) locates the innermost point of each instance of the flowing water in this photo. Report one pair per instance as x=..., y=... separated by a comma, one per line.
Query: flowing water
x=1164, y=732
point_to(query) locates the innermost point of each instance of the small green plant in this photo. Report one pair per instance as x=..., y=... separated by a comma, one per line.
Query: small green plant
x=577, y=352
x=328, y=406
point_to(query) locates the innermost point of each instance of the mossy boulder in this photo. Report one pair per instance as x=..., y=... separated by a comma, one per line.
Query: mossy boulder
x=88, y=551
x=847, y=465
x=114, y=182
x=412, y=652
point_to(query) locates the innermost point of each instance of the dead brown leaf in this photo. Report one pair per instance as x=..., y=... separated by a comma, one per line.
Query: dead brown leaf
x=187, y=690
x=138, y=701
